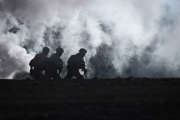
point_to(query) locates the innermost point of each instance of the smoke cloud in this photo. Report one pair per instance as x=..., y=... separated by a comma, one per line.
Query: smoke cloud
x=124, y=38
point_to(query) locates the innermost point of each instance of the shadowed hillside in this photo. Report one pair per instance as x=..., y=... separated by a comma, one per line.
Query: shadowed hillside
x=126, y=99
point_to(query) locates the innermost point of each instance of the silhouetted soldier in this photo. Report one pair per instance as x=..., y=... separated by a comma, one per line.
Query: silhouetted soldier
x=55, y=65
x=76, y=63
x=39, y=63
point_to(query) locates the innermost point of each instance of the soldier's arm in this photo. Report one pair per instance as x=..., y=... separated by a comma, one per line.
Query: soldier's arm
x=83, y=66
x=60, y=65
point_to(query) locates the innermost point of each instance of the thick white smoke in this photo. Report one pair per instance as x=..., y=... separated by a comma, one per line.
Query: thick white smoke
x=139, y=38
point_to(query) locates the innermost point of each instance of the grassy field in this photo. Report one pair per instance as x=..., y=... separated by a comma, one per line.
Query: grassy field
x=116, y=99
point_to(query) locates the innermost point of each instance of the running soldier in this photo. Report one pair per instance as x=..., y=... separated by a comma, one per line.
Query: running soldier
x=38, y=64
x=76, y=63
x=55, y=65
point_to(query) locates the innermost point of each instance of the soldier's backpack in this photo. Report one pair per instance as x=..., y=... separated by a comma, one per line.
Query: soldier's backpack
x=73, y=62
x=35, y=61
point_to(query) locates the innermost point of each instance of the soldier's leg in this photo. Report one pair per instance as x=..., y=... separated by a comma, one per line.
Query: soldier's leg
x=51, y=74
x=36, y=74
x=42, y=75
x=32, y=73
x=69, y=74
x=56, y=76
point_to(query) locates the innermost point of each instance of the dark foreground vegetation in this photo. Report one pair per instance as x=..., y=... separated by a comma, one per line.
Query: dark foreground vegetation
x=116, y=99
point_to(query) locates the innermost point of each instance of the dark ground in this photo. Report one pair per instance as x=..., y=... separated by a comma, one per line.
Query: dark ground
x=117, y=99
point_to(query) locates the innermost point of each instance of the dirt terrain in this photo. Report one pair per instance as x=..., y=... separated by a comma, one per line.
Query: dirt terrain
x=102, y=99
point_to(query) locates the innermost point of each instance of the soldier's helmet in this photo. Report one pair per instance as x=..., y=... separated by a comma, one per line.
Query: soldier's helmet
x=59, y=50
x=82, y=50
x=45, y=50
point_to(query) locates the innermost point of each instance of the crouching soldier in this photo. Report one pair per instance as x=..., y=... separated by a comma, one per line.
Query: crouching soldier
x=76, y=63
x=38, y=64
x=55, y=65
